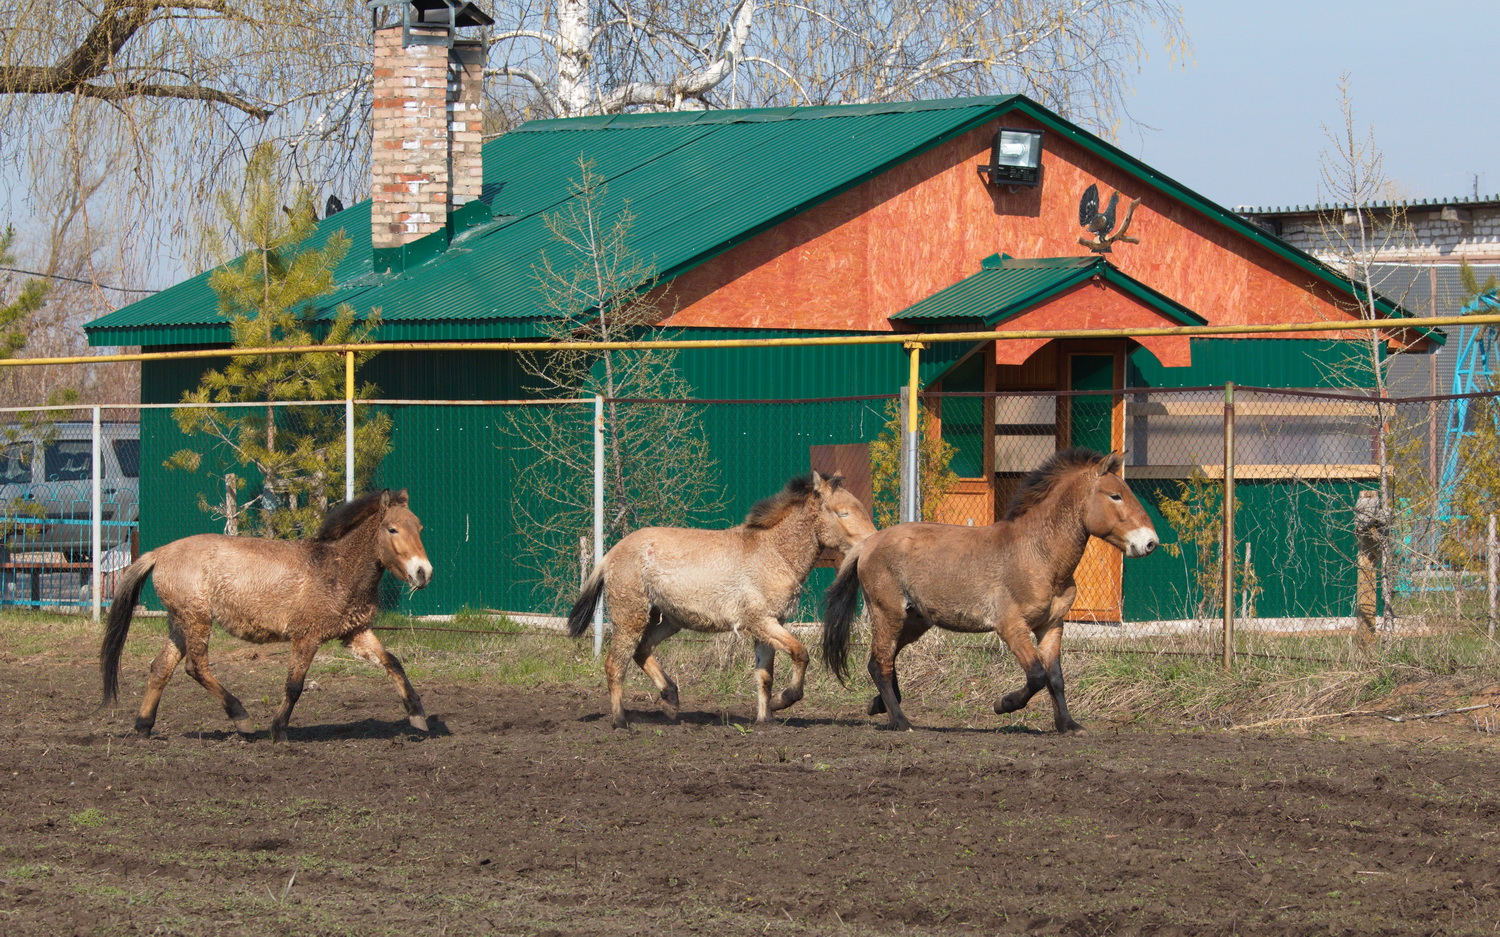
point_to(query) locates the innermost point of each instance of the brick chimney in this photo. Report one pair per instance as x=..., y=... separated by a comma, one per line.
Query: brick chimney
x=427, y=115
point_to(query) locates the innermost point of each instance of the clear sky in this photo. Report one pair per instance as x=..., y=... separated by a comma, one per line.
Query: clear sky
x=1243, y=122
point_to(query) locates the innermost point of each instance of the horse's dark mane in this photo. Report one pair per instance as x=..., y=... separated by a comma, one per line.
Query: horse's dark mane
x=349, y=515
x=1038, y=484
x=768, y=512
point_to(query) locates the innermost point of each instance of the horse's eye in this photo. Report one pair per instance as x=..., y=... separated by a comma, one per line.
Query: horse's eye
x=1115, y=498
x=390, y=530
x=842, y=513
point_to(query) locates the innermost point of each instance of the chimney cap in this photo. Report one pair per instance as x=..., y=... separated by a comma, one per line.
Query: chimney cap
x=451, y=13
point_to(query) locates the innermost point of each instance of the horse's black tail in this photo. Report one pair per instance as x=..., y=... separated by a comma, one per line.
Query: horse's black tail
x=121, y=610
x=839, y=605
x=583, y=610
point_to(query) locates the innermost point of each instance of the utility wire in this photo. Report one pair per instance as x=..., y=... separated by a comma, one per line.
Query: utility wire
x=58, y=276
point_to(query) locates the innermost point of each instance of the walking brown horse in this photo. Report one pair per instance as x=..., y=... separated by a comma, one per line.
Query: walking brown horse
x=1013, y=577
x=305, y=592
x=659, y=580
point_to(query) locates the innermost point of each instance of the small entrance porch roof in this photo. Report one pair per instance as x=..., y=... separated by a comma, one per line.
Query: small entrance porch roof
x=1013, y=294
x=1007, y=286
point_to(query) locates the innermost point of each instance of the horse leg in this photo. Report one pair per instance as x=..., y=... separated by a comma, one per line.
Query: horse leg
x=914, y=627
x=303, y=650
x=1049, y=647
x=196, y=634
x=765, y=670
x=161, y=672
x=885, y=636
x=657, y=631
x=1017, y=637
x=774, y=634
x=630, y=620
x=366, y=646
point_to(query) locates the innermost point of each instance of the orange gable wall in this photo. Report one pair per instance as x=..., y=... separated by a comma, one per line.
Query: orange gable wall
x=856, y=259
x=1092, y=305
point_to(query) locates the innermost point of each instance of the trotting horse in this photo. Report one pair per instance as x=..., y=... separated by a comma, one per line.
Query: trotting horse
x=659, y=580
x=1013, y=577
x=305, y=592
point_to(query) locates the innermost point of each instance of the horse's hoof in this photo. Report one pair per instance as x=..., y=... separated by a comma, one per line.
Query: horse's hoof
x=619, y=723
x=876, y=707
x=1008, y=704
x=1070, y=726
x=900, y=725
x=419, y=723
x=278, y=734
x=670, y=712
x=143, y=729
x=785, y=700
x=244, y=727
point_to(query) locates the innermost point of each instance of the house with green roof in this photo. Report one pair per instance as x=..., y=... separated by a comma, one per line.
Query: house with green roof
x=807, y=221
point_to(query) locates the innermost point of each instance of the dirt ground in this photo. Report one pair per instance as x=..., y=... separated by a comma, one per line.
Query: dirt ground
x=524, y=813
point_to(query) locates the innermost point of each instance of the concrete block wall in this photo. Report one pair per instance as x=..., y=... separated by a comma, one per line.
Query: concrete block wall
x=1428, y=237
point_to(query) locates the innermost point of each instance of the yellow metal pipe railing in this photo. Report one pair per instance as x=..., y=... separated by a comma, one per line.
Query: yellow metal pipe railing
x=884, y=338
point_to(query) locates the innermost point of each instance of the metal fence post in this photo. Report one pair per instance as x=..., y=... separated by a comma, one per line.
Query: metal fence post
x=1491, y=560
x=1226, y=551
x=96, y=515
x=598, y=516
x=348, y=426
x=911, y=440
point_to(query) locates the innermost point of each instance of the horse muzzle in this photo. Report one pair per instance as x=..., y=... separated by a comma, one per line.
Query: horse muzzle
x=418, y=572
x=1140, y=542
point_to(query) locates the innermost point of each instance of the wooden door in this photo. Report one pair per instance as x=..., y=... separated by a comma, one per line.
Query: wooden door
x=1096, y=422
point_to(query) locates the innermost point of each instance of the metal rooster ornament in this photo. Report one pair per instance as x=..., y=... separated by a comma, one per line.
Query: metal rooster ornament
x=1100, y=223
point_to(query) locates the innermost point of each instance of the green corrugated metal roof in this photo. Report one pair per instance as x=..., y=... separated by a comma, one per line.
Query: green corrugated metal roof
x=698, y=184
x=1007, y=286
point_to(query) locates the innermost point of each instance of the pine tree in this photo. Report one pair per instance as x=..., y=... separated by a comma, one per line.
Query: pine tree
x=28, y=299
x=269, y=295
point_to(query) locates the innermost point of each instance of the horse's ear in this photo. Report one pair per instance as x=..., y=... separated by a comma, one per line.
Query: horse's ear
x=385, y=498
x=819, y=483
x=1111, y=463
x=835, y=482
x=400, y=497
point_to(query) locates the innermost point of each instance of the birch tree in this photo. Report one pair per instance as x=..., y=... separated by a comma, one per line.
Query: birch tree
x=575, y=57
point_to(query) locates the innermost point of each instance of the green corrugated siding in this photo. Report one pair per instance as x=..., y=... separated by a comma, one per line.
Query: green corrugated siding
x=1260, y=362
x=459, y=465
x=1301, y=547
x=459, y=462
x=1301, y=542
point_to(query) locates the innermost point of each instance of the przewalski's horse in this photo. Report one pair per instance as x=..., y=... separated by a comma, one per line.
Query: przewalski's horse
x=659, y=580
x=305, y=592
x=1014, y=577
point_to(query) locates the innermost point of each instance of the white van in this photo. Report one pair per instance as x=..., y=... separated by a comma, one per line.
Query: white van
x=46, y=488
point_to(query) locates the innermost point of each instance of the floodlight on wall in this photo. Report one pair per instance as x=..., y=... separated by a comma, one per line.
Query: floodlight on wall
x=1016, y=158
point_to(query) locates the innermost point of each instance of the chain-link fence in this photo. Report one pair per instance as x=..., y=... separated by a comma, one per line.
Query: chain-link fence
x=1345, y=520
x=1352, y=514
x=69, y=502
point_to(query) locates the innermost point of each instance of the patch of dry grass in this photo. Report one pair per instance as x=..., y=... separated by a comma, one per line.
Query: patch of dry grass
x=1154, y=680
